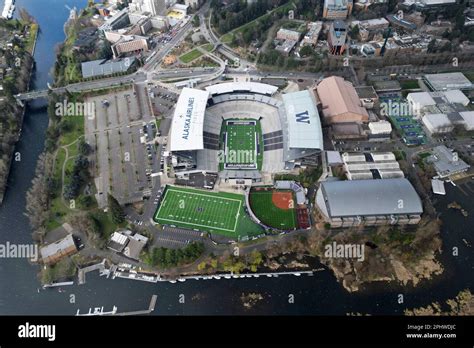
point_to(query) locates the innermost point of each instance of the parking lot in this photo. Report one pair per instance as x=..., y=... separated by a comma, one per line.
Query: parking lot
x=162, y=100
x=121, y=161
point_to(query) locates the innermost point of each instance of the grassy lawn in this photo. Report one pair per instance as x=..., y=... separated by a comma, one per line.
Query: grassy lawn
x=31, y=39
x=208, y=47
x=470, y=75
x=409, y=84
x=190, y=56
x=227, y=38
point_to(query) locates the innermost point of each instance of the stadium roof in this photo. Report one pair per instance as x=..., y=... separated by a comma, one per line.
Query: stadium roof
x=304, y=125
x=231, y=87
x=188, y=120
x=380, y=197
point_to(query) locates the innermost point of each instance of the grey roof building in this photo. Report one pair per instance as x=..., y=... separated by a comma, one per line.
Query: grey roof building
x=355, y=202
x=102, y=67
x=446, y=162
x=54, y=252
x=448, y=81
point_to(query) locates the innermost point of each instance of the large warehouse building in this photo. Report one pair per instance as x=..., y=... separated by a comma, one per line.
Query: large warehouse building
x=276, y=133
x=385, y=201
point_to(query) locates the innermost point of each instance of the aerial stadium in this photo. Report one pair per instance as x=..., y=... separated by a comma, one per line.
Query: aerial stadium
x=244, y=132
x=235, y=136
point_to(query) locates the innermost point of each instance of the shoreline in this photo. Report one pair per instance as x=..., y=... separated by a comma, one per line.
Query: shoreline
x=21, y=114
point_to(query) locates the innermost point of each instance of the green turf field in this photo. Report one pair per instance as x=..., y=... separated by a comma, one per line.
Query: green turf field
x=241, y=137
x=221, y=213
x=242, y=145
x=264, y=209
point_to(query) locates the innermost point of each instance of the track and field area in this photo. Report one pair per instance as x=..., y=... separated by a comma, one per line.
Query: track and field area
x=242, y=144
x=274, y=208
x=214, y=212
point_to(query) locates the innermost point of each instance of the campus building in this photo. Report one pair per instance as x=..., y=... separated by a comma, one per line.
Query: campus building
x=370, y=165
x=340, y=102
x=337, y=9
x=385, y=201
x=54, y=252
x=446, y=162
x=337, y=37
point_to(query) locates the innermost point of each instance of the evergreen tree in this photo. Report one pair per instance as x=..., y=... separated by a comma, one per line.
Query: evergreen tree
x=116, y=211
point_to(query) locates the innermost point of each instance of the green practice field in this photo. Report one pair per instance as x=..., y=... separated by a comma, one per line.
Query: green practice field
x=264, y=207
x=242, y=147
x=221, y=213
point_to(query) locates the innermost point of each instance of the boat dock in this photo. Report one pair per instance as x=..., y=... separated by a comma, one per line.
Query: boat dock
x=150, y=309
x=99, y=266
x=155, y=279
x=99, y=311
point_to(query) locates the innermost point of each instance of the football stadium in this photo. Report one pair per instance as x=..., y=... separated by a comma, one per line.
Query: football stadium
x=242, y=131
x=236, y=136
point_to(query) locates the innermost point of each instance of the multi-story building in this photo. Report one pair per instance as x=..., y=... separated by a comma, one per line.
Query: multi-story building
x=286, y=34
x=127, y=44
x=311, y=37
x=337, y=9
x=337, y=37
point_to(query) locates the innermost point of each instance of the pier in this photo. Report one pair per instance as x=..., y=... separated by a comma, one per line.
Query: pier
x=99, y=266
x=99, y=311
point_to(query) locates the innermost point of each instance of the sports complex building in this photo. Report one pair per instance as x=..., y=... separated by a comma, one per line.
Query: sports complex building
x=244, y=132
x=369, y=202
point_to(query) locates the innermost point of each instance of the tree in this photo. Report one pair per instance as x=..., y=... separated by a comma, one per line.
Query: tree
x=83, y=147
x=306, y=51
x=116, y=211
x=432, y=46
x=355, y=31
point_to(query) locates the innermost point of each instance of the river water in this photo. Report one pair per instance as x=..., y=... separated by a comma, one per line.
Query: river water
x=319, y=294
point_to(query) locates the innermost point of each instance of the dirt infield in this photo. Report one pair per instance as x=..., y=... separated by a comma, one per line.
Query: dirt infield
x=283, y=200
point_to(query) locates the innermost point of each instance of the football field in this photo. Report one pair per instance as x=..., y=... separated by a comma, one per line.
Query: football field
x=202, y=210
x=241, y=142
x=241, y=137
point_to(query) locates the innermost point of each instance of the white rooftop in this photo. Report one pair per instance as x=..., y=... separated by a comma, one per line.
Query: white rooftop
x=253, y=87
x=304, y=124
x=421, y=99
x=437, y=120
x=468, y=117
x=188, y=120
x=455, y=96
